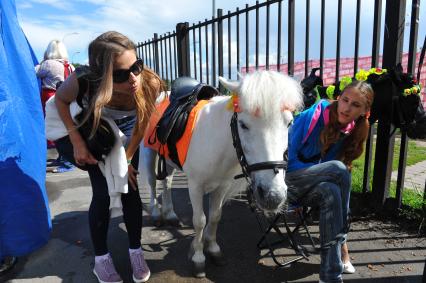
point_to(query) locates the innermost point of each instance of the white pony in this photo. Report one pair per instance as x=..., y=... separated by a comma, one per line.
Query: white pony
x=262, y=104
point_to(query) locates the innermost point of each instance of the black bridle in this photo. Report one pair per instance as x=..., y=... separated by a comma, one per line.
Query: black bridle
x=268, y=165
x=245, y=167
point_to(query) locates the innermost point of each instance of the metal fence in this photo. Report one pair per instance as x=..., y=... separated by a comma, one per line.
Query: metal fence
x=263, y=36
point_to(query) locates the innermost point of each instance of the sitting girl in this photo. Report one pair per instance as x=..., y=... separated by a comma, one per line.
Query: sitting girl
x=323, y=142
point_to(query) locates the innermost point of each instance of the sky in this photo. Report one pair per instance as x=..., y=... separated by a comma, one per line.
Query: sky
x=78, y=22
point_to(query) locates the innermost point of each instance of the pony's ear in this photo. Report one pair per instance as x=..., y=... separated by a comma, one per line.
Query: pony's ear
x=228, y=84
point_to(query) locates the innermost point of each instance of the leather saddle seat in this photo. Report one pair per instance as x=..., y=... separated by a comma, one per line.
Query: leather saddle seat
x=184, y=95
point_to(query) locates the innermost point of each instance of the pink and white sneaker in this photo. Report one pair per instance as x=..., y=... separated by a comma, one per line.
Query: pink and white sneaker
x=105, y=271
x=140, y=269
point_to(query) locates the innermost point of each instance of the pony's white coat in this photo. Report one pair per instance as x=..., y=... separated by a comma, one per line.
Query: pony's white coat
x=266, y=99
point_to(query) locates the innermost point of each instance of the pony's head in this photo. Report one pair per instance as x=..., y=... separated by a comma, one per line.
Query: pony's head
x=264, y=102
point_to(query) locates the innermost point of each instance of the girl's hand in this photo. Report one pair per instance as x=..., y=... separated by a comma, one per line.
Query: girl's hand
x=133, y=177
x=82, y=155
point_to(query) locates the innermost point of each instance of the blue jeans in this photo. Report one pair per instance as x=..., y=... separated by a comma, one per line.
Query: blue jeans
x=327, y=186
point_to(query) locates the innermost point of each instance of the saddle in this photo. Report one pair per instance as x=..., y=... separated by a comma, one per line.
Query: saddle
x=184, y=95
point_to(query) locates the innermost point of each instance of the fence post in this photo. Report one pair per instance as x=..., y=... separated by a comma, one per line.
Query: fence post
x=182, y=43
x=156, y=55
x=392, y=55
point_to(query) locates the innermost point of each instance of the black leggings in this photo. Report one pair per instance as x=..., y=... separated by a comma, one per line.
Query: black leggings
x=99, y=207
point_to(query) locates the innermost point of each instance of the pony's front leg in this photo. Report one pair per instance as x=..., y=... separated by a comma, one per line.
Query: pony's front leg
x=199, y=221
x=148, y=170
x=167, y=210
x=215, y=212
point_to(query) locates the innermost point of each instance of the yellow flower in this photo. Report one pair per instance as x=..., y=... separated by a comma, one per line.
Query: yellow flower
x=407, y=91
x=330, y=91
x=362, y=75
x=344, y=82
x=377, y=71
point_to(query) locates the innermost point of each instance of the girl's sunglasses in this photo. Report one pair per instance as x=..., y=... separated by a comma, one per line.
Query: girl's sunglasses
x=122, y=75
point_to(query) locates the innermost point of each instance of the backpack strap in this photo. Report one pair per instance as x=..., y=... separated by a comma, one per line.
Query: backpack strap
x=83, y=85
x=67, y=70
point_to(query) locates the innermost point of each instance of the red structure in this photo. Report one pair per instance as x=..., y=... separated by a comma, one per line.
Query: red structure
x=346, y=69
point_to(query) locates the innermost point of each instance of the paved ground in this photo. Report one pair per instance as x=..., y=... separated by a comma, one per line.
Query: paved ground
x=415, y=175
x=381, y=252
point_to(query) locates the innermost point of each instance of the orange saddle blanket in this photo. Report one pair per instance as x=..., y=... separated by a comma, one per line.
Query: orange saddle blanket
x=182, y=145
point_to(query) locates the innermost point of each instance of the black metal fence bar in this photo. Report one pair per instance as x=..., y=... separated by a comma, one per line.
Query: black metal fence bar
x=290, y=49
x=339, y=36
x=229, y=47
x=220, y=42
x=414, y=28
x=374, y=63
x=213, y=52
x=145, y=55
x=238, y=38
x=247, y=37
x=175, y=54
x=357, y=22
x=307, y=28
x=257, y=36
x=162, y=58
x=156, y=54
x=166, y=67
x=267, y=36
x=170, y=57
x=279, y=37
x=200, y=54
x=322, y=38
x=194, y=47
x=207, y=52
x=151, y=60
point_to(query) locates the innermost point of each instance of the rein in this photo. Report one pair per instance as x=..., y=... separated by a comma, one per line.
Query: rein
x=245, y=167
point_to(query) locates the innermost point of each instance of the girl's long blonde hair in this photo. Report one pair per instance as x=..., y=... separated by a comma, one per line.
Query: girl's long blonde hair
x=102, y=53
x=353, y=145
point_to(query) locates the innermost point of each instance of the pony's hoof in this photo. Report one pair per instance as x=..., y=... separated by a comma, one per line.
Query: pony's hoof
x=218, y=259
x=198, y=269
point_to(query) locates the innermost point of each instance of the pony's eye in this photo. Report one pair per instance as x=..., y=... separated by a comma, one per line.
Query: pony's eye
x=243, y=126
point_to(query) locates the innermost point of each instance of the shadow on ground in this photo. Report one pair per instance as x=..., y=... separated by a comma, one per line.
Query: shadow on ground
x=380, y=251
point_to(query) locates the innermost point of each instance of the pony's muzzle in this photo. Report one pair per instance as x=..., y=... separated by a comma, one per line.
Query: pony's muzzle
x=270, y=198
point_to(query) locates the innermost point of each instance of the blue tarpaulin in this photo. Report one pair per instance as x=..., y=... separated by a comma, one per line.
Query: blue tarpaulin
x=24, y=212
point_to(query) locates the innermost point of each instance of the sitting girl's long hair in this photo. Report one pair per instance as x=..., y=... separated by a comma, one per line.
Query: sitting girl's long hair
x=353, y=144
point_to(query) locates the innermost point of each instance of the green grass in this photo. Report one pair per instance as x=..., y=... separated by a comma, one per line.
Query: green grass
x=415, y=154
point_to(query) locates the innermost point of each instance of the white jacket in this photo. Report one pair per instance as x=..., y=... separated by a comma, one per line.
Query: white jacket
x=114, y=167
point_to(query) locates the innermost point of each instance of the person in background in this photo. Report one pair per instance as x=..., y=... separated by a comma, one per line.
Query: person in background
x=323, y=142
x=52, y=71
x=115, y=85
